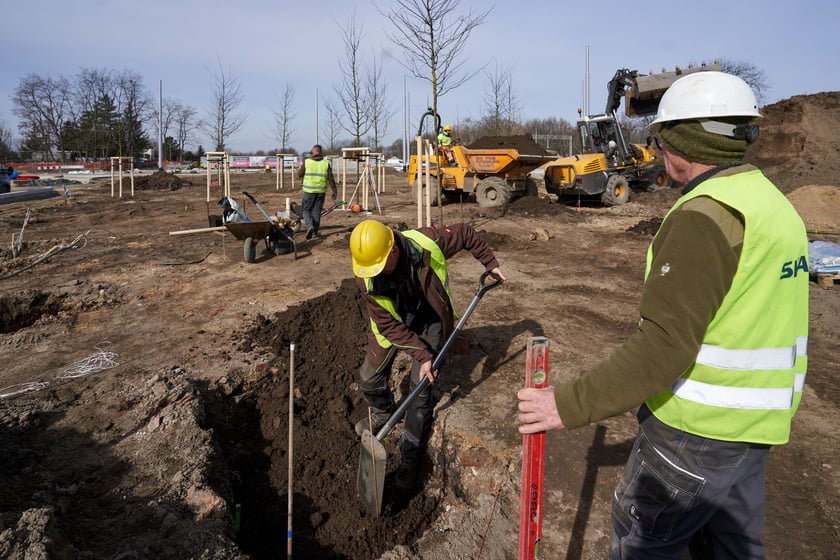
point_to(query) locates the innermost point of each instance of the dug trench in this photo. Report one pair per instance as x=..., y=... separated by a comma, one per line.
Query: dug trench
x=249, y=415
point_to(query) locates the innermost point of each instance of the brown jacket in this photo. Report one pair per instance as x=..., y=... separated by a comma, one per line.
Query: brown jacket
x=451, y=240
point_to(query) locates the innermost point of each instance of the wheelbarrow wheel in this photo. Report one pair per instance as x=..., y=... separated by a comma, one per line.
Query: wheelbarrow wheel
x=250, y=249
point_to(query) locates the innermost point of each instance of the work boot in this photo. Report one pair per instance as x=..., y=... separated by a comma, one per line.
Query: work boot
x=310, y=232
x=406, y=477
x=378, y=418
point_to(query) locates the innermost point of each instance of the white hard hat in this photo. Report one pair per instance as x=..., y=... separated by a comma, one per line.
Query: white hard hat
x=706, y=95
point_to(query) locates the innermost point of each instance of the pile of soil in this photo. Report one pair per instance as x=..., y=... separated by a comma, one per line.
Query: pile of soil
x=798, y=143
x=524, y=143
x=819, y=206
x=160, y=181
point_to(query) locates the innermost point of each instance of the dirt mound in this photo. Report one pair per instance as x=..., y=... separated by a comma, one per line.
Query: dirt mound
x=524, y=143
x=798, y=143
x=819, y=206
x=538, y=207
x=160, y=181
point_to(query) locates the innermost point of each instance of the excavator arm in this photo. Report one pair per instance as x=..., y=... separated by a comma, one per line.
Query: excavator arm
x=616, y=87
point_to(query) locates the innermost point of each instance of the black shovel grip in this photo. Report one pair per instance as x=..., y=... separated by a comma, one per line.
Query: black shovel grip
x=483, y=288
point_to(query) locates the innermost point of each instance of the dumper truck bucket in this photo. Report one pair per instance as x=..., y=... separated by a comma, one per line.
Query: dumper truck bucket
x=372, y=456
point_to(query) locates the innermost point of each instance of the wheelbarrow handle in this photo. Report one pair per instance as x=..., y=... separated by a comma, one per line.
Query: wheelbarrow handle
x=483, y=288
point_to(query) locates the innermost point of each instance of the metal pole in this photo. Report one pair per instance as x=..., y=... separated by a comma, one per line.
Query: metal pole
x=291, y=443
x=586, y=86
x=160, y=126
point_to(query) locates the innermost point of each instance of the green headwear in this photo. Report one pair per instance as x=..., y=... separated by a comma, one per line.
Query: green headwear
x=690, y=140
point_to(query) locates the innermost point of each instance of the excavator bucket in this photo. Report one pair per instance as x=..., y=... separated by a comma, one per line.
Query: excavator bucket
x=642, y=98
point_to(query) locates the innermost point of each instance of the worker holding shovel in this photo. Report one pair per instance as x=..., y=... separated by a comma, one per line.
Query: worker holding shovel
x=405, y=286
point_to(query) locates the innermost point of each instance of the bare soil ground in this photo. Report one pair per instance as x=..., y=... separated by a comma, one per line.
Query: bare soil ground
x=144, y=398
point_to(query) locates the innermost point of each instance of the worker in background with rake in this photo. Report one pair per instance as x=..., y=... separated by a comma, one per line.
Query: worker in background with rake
x=717, y=365
x=315, y=175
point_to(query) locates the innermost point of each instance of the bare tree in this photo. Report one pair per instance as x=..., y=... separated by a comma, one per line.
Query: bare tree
x=132, y=104
x=500, y=103
x=332, y=124
x=43, y=105
x=164, y=118
x=432, y=34
x=750, y=73
x=92, y=101
x=352, y=95
x=7, y=153
x=283, y=118
x=185, y=123
x=225, y=114
x=380, y=109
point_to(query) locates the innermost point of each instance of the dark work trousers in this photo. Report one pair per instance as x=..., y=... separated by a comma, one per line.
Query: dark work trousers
x=679, y=489
x=376, y=388
x=312, y=206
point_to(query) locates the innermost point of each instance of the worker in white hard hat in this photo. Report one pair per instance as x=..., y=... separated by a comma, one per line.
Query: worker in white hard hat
x=405, y=287
x=445, y=144
x=717, y=365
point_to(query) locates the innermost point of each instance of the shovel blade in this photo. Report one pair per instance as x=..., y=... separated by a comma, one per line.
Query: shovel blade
x=371, y=479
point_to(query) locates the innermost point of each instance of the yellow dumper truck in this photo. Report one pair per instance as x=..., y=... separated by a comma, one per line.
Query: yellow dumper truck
x=493, y=176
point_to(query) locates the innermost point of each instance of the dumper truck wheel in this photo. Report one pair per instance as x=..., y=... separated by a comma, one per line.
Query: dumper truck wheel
x=434, y=195
x=661, y=180
x=250, y=249
x=617, y=192
x=492, y=192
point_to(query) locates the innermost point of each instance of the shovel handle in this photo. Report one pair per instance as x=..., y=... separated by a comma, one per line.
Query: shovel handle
x=483, y=288
x=257, y=204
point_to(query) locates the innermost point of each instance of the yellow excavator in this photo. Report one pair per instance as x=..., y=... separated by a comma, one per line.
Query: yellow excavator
x=608, y=165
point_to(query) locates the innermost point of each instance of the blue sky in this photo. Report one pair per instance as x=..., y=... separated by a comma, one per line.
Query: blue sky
x=268, y=44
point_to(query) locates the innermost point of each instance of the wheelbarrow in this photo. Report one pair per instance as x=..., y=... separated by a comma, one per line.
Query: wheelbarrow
x=279, y=237
x=278, y=240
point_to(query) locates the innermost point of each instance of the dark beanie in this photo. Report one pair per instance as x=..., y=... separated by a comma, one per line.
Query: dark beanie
x=690, y=140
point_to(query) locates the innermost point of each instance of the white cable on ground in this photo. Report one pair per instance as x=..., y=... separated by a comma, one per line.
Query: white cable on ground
x=93, y=363
x=22, y=388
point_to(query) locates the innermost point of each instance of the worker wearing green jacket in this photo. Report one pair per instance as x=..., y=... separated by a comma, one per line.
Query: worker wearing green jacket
x=717, y=365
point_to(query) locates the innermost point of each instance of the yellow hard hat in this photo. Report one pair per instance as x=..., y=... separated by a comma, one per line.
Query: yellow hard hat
x=447, y=128
x=370, y=244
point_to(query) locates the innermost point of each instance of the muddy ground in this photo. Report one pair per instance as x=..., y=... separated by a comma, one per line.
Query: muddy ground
x=145, y=393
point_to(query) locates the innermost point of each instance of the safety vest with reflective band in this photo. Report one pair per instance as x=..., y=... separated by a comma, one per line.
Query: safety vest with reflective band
x=315, y=177
x=438, y=264
x=747, y=379
x=444, y=139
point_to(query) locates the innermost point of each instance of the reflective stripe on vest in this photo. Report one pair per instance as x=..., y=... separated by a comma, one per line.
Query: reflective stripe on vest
x=315, y=176
x=747, y=379
x=438, y=264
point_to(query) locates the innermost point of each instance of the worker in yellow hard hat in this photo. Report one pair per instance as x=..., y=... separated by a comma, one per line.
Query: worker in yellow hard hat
x=445, y=144
x=405, y=285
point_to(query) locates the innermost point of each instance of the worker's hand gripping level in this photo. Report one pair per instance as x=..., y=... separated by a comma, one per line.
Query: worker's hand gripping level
x=372, y=457
x=533, y=458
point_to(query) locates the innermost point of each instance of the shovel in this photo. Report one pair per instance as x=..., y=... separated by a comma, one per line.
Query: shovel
x=372, y=457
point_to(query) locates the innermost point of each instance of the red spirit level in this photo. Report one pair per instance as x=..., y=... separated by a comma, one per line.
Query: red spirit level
x=533, y=458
